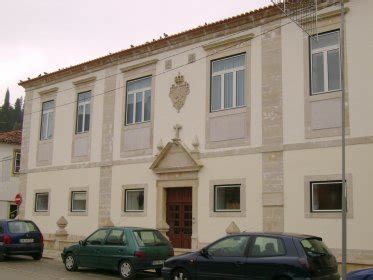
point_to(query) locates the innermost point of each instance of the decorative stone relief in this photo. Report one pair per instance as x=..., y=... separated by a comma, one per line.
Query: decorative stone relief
x=61, y=223
x=160, y=146
x=195, y=144
x=179, y=92
x=232, y=228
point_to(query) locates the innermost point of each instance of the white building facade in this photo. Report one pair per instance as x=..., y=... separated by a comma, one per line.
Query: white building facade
x=10, y=160
x=235, y=121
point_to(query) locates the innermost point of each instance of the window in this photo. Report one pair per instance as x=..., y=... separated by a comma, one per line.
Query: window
x=17, y=161
x=228, y=83
x=134, y=200
x=78, y=201
x=98, y=237
x=116, y=237
x=227, y=198
x=138, y=100
x=314, y=247
x=234, y=246
x=47, y=119
x=83, y=113
x=41, y=202
x=326, y=196
x=325, y=63
x=149, y=238
x=22, y=227
x=13, y=211
x=268, y=247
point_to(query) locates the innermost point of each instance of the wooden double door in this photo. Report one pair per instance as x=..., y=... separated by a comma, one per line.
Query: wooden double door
x=179, y=216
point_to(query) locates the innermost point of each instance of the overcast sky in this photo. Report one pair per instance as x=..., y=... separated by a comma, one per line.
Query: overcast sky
x=39, y=36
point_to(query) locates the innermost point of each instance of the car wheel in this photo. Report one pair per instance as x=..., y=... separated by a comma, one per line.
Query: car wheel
x=158, y=271
x=37, y=257
x=180, y=274
x=70, y=263
x=126, y=270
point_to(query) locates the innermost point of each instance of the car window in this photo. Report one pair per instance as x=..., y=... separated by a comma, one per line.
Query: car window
x=98, y=237
x=1, y=229
x=314, y=247
x=149, y=238
x=267, y=247
x=234, y=246
x=22, y=227
x=116, y=237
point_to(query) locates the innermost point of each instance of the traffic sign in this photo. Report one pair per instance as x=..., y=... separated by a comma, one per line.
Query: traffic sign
x=18, y=199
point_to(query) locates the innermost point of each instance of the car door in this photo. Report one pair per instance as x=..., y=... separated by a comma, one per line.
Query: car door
x=266, y=257
x=224, y=259
x=91, y=249
x=114, y=249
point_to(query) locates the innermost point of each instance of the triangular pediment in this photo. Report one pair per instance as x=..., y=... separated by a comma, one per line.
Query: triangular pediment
x=175, y=157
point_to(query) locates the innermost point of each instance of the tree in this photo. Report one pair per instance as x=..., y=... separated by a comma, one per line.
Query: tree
x=11, y=117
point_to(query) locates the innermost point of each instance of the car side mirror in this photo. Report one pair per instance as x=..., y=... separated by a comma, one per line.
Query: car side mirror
x=82, y=243
x=204, y=253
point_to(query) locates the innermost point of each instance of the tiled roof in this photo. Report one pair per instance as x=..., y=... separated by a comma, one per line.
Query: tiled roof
x=11, y=137
x=157, y=44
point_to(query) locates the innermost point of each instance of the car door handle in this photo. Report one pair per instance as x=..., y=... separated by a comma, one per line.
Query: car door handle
x=239, y=263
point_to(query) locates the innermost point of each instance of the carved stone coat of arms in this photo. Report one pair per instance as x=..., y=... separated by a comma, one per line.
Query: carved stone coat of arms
x=178, y=92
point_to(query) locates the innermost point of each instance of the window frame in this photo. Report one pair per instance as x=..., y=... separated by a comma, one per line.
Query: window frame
x=15, y=155
x=47, y=112
x=234, y=82
x=35, y=203
x=215, y=197
x=84, y=103
x=324, y=52
x=312, y=199
x=125, y=210
x=134, y=93
x=72, y=210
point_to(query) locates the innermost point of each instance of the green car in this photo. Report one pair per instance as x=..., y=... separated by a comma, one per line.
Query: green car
x=124, y=249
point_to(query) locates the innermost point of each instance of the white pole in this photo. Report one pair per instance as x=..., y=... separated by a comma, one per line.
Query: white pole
x=344, y=189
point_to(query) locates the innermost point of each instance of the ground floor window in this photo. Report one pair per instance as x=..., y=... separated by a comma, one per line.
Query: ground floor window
x=326, y=196
x=41, y=202
x=78, y=201
x=13, y=211
x=227, y=198
x=134, y=200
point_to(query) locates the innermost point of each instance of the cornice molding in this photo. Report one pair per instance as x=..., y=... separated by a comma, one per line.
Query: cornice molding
x=48, y=91
x=84, y=81
x=138, y=65
x=230, y=41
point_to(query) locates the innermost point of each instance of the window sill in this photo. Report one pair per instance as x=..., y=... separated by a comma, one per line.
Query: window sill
x=133, y=214
x=230, y=111
x=137, y=125
x=227, y=214
x=40, y=213
x=78, y=213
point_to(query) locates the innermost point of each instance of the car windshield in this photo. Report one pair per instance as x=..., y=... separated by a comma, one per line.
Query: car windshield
x=22, y=227
x=149, y=238
x=315, y=247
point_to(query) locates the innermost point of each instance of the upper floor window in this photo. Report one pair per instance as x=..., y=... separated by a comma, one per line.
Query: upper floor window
x=83, y=113
x=228, y=83
x=47, y=119
x=139, y=102
x=326, y=196
x=17, y=161
x=325, y=63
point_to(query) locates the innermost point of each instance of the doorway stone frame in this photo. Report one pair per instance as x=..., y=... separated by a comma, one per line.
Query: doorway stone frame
x=177, y=180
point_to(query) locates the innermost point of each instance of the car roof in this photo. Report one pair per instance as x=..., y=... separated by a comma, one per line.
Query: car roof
x=281, y=234
x=130, y=228
x=14, y=220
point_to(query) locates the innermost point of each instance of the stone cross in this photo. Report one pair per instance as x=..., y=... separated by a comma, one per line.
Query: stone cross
x=177, y=128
